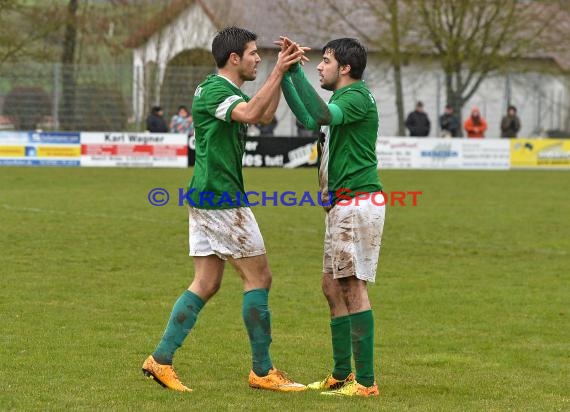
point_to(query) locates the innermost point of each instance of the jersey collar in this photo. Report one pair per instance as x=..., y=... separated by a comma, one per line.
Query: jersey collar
x=356, y=84
x=228, y=80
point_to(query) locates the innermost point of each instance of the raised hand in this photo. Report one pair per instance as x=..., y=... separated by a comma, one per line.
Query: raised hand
x=285, y=42
x=288, y=56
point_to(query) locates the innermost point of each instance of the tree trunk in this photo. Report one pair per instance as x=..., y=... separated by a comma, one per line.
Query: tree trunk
x=455, y=100
x=67, y=115
x=399, y=100
x=397, y=65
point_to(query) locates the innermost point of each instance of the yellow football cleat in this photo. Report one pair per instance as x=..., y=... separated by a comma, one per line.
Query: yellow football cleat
x=163, y=375
x=330, y=383
x=355, y=389
x=275, y=381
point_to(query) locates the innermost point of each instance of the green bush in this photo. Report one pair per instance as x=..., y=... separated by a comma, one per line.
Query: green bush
x=99, y=108
x=26, y=106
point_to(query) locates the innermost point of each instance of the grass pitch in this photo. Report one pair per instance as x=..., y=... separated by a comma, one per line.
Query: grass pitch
x=471, y=303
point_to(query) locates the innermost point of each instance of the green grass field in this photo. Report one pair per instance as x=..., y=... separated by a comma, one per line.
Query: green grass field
x=471, y=303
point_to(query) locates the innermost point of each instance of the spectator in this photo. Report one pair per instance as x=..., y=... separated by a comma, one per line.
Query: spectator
x=155, y=122
x=475, y=125
x=511, y=124
x=267, y=129
x=418, y=122
x=182, y=122
x=449, y=123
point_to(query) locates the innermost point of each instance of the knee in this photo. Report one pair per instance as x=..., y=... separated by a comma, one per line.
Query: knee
x=214, y=287
x=325, y=287
x=333, y=294
x=266, y=278
x=355, y=294
x=328, y=286
x=264, y=275
x=205, y=289
x=261, y=280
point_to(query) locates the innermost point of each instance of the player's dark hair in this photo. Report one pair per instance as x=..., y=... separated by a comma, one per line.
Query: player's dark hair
x=230, y=40
x=351, y=52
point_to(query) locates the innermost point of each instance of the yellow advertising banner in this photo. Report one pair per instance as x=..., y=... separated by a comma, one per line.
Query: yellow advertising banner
x=58, y=151
x=12, y=151
x=540, y=153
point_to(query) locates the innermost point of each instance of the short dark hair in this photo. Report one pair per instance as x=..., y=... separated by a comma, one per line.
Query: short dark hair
x=230, y=40
x=348, y=51
x=156, y=109
x=511, y=107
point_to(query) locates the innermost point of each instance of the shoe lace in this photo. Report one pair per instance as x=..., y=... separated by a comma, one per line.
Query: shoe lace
x=337, y=381
x=282, y=376
x=173, y=374
x=349, y=386
x=331, y=382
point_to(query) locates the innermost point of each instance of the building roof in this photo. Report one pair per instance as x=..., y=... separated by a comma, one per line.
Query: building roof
x=266, y=18
x=156, y=23
x=313, y=22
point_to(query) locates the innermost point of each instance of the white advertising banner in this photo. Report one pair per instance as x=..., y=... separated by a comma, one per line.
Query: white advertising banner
x=396, y=153
x=440, y=153
x=486, y=154
x=124, y=149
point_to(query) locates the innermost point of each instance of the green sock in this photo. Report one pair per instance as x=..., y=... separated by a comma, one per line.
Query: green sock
x=182, y=319
x=362, y=332
x=257, y=319
x=341, y=345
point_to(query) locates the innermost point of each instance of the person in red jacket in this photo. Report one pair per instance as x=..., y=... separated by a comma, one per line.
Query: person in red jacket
x=475, y=125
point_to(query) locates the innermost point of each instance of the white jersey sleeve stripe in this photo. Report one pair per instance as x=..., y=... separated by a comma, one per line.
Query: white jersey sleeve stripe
x=222, y=109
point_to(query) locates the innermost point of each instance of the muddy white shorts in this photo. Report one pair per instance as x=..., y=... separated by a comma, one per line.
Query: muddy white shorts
x=352, y=239
x=227, y=233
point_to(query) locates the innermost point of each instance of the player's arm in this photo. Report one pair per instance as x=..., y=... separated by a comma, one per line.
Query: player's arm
x=321, y=112
x=272, y=108
x=296, y=104
x=270, y=112
x=253, y=111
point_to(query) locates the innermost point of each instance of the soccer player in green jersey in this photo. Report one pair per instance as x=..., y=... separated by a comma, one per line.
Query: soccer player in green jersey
x=354, y=221
x=221, y=227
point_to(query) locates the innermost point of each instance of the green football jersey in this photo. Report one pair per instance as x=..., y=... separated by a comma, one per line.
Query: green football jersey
x=347, y=152
x=217, y=182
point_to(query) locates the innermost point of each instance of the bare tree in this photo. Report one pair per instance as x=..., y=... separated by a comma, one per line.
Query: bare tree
x=24, y=29
x=564, y=54
x=68, y=67
x=91, y=26
x=394, y=17
x=473, y=38
x=385, y=26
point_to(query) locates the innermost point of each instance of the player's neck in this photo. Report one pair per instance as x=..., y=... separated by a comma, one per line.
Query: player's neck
x=344, y=81
x=231, y=76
